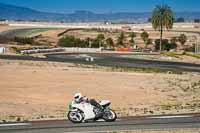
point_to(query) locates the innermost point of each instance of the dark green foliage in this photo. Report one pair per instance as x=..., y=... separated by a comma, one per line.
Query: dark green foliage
x=166, y=45
x=162, y=18
x=24, y=40
x=4, y=39
x=95, y=43
x=120, y=39
x=71, y=41
x=132, y=35
x=100, y=38
x=182, y=39
x=109, y=42
x=191, y=49
x=145, y=36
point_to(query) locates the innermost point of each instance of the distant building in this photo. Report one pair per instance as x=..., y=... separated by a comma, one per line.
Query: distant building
x=126, y=28
x=2, y=50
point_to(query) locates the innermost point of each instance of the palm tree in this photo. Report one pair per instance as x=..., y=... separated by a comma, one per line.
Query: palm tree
x=100, y=39
x=162, y=17
x=132, y=35
x=145, y=36
x=110, y=42
x=182, y=39
x=120, y=39
x=88, y=41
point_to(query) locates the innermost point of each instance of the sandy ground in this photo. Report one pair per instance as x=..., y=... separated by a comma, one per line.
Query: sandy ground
x=40, y=90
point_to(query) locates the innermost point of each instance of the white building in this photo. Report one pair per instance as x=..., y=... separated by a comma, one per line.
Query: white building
x=2, y=50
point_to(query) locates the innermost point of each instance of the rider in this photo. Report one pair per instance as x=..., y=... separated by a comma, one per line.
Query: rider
x=78, y=98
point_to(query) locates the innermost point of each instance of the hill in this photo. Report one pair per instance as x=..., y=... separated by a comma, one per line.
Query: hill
x=11, y=12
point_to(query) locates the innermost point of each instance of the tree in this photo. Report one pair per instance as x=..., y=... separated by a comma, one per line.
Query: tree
x=145, y=37
x=121, y=38
x=166, y=45
x=94, y=43
x=100, y=39
x=132, y=35
x=149, y=41
x=88, y=41
x=71, y=41
x=162, y=17
x=182, y=39
x=109, y=42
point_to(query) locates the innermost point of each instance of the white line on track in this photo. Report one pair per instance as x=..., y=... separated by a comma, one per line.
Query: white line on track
x=167, y=117
x=99, y=131
x=14, y=124
x=104, y=120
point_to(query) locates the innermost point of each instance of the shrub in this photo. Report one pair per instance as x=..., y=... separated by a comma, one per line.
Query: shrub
x=4, y=39
x=190, y=49
x=182, y=39
x=71, y=41
x=23, y=40
x=166, y=45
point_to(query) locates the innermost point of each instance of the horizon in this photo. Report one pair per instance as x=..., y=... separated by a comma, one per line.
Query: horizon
x=98, y=6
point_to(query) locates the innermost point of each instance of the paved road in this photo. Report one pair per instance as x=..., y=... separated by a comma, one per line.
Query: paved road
x=127, y=123
x=114, y=60
x=117, y=60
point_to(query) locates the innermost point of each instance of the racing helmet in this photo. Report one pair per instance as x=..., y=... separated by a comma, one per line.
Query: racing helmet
x=77, y=97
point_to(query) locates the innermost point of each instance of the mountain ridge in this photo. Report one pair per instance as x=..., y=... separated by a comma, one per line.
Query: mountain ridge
x=11, y=12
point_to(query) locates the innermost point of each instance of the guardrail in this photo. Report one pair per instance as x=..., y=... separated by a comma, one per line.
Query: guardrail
x=72, y=49
x=35, y=51
x=87, y=50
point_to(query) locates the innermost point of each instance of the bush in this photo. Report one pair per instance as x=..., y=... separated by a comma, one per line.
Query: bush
x=95, y=43
x=71, y=41
x=4, y=39
x=191, y=49
x=23, y=40
x=166, y=45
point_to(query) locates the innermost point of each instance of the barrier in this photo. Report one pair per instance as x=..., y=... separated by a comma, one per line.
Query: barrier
x=83, y=50
x=123, y=49
x=34, y=51
x=73, y=50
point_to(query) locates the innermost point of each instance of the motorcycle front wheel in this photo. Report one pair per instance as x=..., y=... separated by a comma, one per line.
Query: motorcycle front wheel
x=109, y=115
x=75, y=116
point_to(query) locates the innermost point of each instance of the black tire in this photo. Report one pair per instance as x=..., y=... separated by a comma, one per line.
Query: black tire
x=72, y=120
x=106, y=118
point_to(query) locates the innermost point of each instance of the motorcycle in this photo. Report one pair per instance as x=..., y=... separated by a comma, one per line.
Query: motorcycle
x=84, y=112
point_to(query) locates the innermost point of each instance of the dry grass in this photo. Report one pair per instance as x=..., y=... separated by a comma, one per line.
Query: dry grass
x=42, y=90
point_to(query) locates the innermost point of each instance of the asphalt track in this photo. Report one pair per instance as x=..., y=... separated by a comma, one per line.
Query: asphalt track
x=165, y=122
x=112, y=60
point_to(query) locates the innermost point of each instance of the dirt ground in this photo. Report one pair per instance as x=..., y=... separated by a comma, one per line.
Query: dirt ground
x=42, y=90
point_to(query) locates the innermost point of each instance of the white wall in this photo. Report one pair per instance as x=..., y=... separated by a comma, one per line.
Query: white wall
x=2, y=50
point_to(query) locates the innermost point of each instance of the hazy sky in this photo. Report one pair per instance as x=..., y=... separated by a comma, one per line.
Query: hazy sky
x=65, y=6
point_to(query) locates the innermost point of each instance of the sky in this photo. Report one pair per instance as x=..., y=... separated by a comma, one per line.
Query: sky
x=104, y=6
